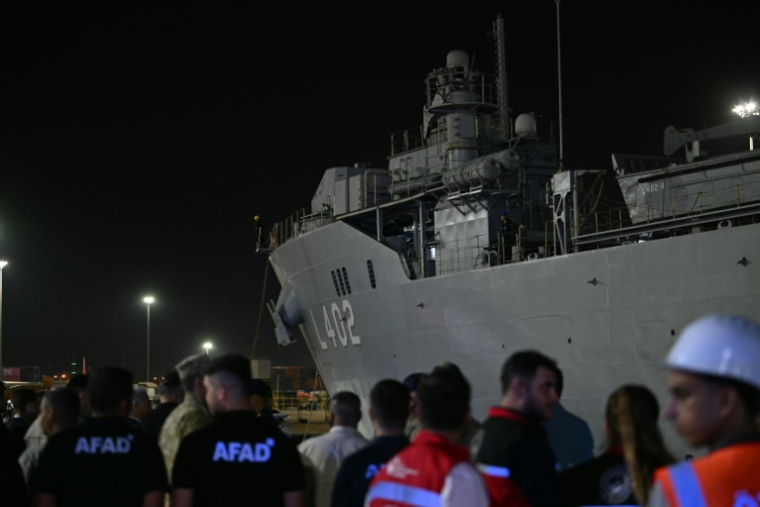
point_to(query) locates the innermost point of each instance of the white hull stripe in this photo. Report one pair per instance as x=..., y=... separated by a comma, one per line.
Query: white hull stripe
x=686, y=486
x=402, y=493
x=494, y=471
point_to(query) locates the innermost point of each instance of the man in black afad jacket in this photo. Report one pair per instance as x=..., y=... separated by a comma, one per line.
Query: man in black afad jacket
x=517, y=462
x=389, y=408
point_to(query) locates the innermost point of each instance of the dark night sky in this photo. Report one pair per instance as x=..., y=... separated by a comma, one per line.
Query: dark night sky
x=138, y=142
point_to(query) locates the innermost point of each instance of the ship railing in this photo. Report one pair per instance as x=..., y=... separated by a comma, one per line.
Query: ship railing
x=442, y=88
x=479, y=252
x=701, y=210
x=296, y=224
x=487, y=128
x=407, y=140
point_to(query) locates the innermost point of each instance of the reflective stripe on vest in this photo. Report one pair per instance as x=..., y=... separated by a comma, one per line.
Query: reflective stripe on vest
x=405, y=494
x=686, y=486
x=494, y=471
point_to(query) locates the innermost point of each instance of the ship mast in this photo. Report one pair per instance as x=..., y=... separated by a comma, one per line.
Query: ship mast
x=501, y=67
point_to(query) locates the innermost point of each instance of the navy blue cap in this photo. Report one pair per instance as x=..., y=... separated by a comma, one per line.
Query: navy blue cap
x=412, y=381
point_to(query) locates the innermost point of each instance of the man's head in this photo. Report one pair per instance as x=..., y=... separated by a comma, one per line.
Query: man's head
x=226, y=383
x=170, y=390
x=411, y=382
x=444, y=400
x=59, y=410
x=110, y=392
x=530, y=384
x=389, y=406
x=191, y=371
x=715, y=379
x=345, y=409
x=140, y=402
x=260, y=394
x=79, y=384
x=25, y=404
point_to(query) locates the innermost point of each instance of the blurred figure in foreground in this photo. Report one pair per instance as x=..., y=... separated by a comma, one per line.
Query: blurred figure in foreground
x=323, y=455
x=413, y=424
x=239, y=459
x=388, y=411
x=518, y=465
x=623, y=474
x=103, y=461
x=170, y=395
x=192, y=414
x=433, y=469
x=715, y=399
x=25, y=410
x=59, y=411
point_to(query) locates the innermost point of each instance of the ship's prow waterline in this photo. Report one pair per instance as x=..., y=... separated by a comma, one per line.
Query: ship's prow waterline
x=475, y=243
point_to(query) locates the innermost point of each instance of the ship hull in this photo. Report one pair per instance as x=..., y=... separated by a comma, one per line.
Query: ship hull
x=607, y=316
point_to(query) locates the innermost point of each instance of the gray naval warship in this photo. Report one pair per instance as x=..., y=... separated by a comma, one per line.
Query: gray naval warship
x=475, y=243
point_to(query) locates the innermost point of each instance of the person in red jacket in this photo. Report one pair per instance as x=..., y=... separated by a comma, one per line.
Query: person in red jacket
x=518, y=464
x=433, y=469
x=715, y=387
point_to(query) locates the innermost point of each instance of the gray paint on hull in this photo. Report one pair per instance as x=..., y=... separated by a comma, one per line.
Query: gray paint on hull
x=603, y=335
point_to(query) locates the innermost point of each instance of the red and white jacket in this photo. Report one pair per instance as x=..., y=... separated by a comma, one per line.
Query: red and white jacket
x=432, y=471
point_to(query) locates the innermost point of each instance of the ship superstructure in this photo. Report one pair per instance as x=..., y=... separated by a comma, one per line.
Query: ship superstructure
x=474, y=243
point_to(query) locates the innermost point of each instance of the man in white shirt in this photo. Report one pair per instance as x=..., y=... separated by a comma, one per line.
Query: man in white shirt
x=323, y=455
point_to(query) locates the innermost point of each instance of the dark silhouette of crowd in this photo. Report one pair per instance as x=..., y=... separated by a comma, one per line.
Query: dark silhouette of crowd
x=213, y=438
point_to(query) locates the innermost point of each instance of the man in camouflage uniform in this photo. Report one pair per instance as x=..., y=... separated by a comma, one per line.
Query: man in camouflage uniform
x=191, y=415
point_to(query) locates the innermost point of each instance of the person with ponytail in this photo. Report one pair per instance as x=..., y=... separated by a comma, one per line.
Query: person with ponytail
x=622, y=475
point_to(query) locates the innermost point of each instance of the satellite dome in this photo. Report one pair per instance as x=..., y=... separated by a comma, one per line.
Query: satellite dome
x=525, y=125
x=456, y=58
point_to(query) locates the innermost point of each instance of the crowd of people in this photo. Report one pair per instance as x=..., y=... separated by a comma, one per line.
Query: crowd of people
x=213, y=439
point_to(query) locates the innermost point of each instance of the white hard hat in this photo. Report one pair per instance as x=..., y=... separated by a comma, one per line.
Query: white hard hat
x=719, y=345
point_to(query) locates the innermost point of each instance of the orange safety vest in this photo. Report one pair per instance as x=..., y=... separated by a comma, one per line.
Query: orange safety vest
x=728, y=477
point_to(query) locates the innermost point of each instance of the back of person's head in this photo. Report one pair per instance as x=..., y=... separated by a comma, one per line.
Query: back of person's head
x=231, y=372
x=140, y=401
x=444, y=399
x=171, y=387
x=78, y=382
x=192, y=368
x=65, y=403
x=631, y=419
x=345, y=409
x=108, y=388
x=412, y=381
x=25, y=403
x=524, y=365
x=389, y=401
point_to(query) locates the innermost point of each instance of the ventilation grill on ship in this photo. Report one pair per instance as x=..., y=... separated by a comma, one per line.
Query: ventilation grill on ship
x=335, y=282
x=345, y=277
x=371, y=272
x=340, y=282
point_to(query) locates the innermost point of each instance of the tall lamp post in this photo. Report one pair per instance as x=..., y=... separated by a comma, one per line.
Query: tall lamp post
x=2, y=265
x=745, y=110
x=148, y=300
x=208, y=346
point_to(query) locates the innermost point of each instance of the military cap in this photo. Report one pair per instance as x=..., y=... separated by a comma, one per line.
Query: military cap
x=192, y=365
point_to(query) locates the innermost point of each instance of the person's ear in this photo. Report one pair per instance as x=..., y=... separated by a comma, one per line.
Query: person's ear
x=729, y=401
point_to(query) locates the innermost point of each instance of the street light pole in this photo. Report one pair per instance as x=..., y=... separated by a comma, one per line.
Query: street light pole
x=745, y=110
x=148, y=300
x=208, y=346
x=2, y=265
